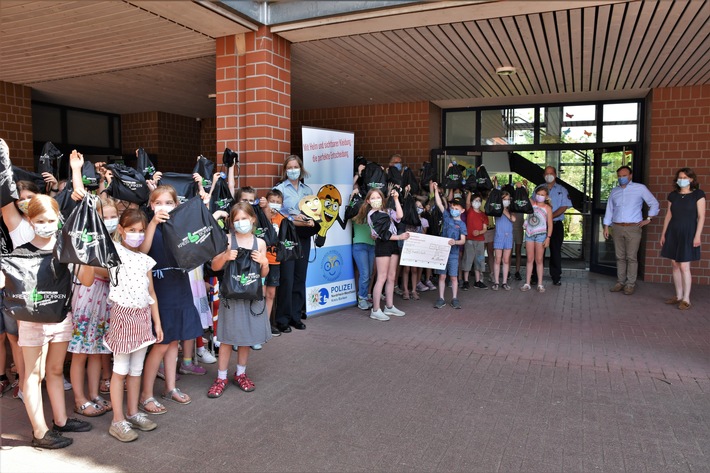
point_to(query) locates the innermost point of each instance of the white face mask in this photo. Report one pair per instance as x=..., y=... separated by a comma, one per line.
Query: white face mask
x=276, y=207
x=111, y=224
x=243, y=226
x=167, y=208
x=45, y=230
x=549, y=178
x=476, y=204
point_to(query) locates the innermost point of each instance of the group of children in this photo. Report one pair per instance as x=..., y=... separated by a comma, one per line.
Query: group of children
x=465, y=225
x=140, y=318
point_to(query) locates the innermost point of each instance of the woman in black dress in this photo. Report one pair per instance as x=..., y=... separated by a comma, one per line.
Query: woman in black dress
x=682, y=229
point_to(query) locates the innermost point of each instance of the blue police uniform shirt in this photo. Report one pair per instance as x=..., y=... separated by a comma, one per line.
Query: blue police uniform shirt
x=559, y=197
x=292, y=196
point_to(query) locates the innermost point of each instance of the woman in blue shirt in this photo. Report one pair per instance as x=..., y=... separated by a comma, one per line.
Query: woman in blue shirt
x=291, y=298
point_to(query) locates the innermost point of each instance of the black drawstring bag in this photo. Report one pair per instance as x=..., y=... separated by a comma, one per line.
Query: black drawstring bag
x=436, y=221
x=84, y=239
x=184, y=185
x=521, y=202
x=127, y=184
x=221, y=198
x=5, y=239
x=8, y=188
x=380, y=224
x=264, y=229
x=37, y=287
x=66, y=203
x=89, y=176
x=353, y=206
x=394, y=177
x=409, y=179
x=483, y=180
x=20, y=174
x=205, y=168
x=230, y=157
x=288, y=247
x=242, y=277
x=373, y=177
x=50, y=155
x=144, y=165
x=428, y=175
x=409, y=208
x=455, y=177
x=494, y=203
x=192, y=236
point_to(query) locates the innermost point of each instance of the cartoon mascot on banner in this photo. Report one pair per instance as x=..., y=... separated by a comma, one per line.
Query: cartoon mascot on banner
x=331, y=201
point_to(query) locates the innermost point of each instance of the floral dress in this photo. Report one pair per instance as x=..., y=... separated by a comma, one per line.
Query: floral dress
x=90, y=318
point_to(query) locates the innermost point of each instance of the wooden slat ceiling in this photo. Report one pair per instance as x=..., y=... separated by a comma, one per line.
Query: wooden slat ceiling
x=617, y=49
x=131, y=56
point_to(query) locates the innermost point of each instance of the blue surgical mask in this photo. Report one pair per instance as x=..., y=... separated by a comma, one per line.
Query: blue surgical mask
x=623, y=181
x=293, y=174
x=243, y=226
x=111, y=224
x=419, y=210
x=683, y=182
x=455, y=213
x=398, y=166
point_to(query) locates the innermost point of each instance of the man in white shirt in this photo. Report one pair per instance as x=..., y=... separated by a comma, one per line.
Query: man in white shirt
x=624, y=213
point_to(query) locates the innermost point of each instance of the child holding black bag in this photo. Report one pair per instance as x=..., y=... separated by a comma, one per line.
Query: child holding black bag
x=240, y=322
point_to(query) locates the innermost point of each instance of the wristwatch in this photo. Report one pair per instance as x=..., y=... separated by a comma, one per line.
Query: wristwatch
x=648, y=218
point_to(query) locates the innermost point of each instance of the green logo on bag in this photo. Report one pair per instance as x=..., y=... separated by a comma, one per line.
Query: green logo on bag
x=85, y=237
x=197, y=237
x=88, y=181
x=206, y=182
x=192, y=238
x=243, y=279
x=36, y=296
x=259, y=232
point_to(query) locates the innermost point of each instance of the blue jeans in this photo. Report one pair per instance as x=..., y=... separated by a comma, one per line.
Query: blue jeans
x=364, y=256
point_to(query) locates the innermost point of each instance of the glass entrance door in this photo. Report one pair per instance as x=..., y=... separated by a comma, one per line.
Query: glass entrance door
x=606, y=162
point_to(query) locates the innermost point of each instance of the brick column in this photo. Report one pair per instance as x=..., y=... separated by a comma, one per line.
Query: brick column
x=16, y=123
x=254, y=103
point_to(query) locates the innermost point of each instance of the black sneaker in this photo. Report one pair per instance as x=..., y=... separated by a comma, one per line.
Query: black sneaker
x=518, y=277
x=275, y=332
x=465, y=286
x=72, y=425
x=51, y=440
x=557, y=283
x=480, y=285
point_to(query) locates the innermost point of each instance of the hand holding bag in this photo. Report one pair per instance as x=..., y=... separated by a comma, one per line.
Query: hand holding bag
x=204, y=168
x=521, y=201
x=144, y=165
x=242, y=276
x=221, y=198
x=192, y=236
x=84, y=238
x=494, y=203
x=127, y=184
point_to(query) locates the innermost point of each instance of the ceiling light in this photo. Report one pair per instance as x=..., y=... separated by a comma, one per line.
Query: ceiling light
x=506, y=71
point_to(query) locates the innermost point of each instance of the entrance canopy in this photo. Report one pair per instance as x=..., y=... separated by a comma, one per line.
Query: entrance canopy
x=126, y=57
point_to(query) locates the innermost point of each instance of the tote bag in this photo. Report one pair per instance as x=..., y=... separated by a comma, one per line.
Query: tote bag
x=242, y=277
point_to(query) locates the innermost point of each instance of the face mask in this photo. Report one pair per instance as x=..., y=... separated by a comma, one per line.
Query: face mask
x=167, y=208
x=398, y=166
x=293, y=174
x=540, y=198
x=623, y=181
x=134, y=239
x=419, y=210
x=23, y=205
x=275, y=207
x=457, y=196
x=455, y=213
x=476, y=204
x=506, y=203
x=549, y=178
x=376, y=203
x=242, y=226
x=45, y=230
x=683, y=182
x=111, y=224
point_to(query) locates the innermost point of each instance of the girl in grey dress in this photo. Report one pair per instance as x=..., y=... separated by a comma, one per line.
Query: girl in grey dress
x=242, y=323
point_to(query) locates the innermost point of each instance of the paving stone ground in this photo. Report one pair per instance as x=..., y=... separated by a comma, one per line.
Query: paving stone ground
x=575, y=379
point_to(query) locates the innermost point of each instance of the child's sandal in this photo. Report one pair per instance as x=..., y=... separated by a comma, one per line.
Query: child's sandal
x=105, y=405
x=405, y=296
x=96, y=409
x=415, y=296
x=105, y=386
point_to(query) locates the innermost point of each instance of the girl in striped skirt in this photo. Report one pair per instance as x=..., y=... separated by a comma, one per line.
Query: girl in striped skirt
x=134, y=320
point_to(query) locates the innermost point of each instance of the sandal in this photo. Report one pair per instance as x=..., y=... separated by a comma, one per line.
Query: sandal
x=160, y=409
x=97, y=409
x=177, y=396
x=105, y=405
x=105, y=386
x=405, y=296
x=673, y=301
x=415, y=296
x=684, y=305
x=541, y=288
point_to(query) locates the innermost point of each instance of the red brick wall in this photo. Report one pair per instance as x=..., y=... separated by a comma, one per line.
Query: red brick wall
x=175, y=140
x=380, y=130
x=680, y=137
x=16, y=123
x=208, y=140
x=254, y=103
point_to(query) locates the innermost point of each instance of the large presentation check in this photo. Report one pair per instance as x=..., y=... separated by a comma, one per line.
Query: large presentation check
x=425, y=251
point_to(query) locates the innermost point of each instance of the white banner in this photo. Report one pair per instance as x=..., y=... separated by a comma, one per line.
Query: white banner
x=425, y=251
x=328, y=156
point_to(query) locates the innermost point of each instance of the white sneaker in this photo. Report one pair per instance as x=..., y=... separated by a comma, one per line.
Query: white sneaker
x=393, y=311
x=378, y=315
x=67, y=385
x=206, y=357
